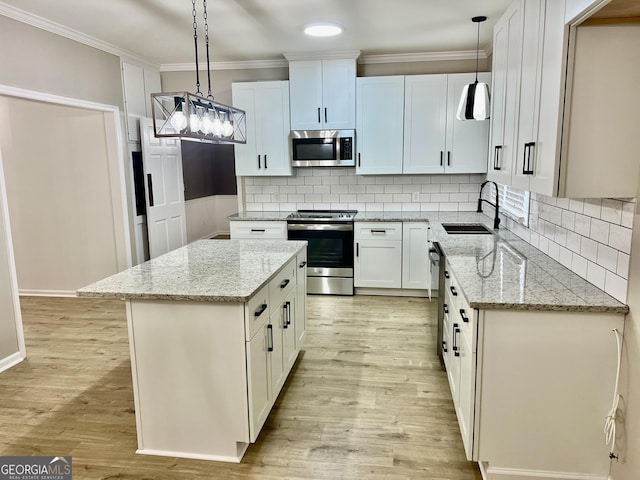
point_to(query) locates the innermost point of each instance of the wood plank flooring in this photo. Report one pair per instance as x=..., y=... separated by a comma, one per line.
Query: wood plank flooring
x=366, y=399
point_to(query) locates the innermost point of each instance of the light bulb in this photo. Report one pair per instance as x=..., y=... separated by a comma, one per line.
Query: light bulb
x=227, y=128
x=207, y=124
x=218, y=129
x=178, y=121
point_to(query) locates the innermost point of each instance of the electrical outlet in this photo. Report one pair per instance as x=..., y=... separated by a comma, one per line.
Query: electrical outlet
x=415, y=196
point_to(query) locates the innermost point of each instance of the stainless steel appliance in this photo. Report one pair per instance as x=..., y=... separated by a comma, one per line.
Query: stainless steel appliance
x=330, y=248
x=437, y=259
x=323, y=148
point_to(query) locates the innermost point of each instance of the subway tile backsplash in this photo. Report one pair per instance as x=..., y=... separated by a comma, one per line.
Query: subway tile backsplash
x=592, y=237
x=341, y=188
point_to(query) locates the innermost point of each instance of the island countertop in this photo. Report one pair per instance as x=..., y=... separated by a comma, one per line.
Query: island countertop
x=205, y=271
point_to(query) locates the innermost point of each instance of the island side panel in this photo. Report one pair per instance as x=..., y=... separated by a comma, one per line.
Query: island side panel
x=545, y=386
x=189, y=374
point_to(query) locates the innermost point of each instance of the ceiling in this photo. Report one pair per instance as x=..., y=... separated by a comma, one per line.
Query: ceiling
x=160, y=31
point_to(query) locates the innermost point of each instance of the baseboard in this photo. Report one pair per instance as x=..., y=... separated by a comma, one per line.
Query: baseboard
x=496, y=473
x=46, y=293
x=242, y=448
x=393, y=292
x=11, y=360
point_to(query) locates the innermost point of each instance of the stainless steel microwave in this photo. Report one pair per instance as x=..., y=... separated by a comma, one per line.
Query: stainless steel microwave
x=323, y=148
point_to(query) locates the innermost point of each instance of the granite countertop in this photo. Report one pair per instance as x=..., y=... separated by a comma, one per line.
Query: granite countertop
x=204, y=271
x=259, y=216
x=502, y=271
x=392, y=217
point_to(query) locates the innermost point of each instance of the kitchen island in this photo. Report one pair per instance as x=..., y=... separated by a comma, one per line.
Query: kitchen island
x=214, y=329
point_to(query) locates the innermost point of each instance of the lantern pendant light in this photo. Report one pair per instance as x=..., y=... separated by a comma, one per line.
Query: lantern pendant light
x=192, y=116
x=474, y=103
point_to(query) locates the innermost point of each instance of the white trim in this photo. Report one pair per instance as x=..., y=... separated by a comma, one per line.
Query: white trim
x=11, y=360
x=10, y=91
x=243, y=65
x=349, y=54
x=58, y=29
x=495, y=473
x=27, y=292
x=422, y=57
x=13, y=275
x=198, y=456
x=392, y=292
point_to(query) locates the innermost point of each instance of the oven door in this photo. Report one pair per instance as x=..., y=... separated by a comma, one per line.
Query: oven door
x=329, y=255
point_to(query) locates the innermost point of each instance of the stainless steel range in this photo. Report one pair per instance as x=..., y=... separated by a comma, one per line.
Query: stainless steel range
x=330, y=249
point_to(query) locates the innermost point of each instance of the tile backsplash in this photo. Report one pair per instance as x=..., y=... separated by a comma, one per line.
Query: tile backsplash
x=592, y=237
x=341, y=188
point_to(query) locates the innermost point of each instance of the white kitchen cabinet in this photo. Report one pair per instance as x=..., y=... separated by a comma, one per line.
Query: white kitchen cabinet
x=379, y=124
x=378, y=255
x=435, y=141
x=138, y=85
x=416, y=272
x=267, y=149
x=247, y=230
x=505, y=77
x=300, y=326
x=322, y=94
x=572, y=84
x=523, y=383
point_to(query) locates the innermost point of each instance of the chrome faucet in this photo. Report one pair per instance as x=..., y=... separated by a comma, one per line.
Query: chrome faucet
x=496, y=206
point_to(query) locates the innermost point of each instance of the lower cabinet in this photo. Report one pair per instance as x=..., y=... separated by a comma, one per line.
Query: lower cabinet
x=300, y=326
x=531, y=389
x=378, y=259
x=392, y=255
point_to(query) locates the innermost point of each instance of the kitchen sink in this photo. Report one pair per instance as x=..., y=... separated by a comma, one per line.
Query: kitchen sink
x=466, y=228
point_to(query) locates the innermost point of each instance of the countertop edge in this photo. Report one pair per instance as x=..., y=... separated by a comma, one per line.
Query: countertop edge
x=550, y=307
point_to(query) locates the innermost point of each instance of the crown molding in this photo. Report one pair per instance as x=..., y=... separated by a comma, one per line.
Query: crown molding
x=422, y=57
x=243, y=65
x=348, y=54
x=53, y=27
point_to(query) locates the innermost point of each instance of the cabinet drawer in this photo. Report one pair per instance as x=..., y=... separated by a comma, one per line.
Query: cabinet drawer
x=459, y=310
x=282, y=284
x=378, y=231
x=256, y=312
x=258, y=230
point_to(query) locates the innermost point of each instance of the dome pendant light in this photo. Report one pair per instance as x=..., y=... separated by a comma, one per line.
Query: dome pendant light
x=474, y=103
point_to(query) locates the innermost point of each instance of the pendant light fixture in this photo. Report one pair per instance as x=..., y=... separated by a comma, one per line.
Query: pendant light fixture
x=192, y=116
x=474, y=103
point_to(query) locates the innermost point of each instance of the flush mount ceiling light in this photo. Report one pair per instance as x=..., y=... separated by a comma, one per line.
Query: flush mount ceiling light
x=323, y=29
x=474, y=103
x=192, y=116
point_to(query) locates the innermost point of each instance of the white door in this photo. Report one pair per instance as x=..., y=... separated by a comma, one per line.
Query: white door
x=164, y=190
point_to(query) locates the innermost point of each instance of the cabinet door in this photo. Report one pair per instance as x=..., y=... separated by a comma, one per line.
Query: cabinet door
x=277, y=360
x=379, y=124
x=289, y=331
x=305, y=80
x=273, y=119
x=507, y=55
x=259, y=379
x=416, y=272
x=339, y=94
x=531, y=76
x=466, y=390
x=301, y=300
x=467, y=141
x=152, y=84
x=425, y=120
x=378, y=264
x=244, y=97
x=134, y=99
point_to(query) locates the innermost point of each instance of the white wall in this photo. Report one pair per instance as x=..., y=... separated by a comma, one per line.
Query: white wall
x=207, y=216
x=66, y=233
x=11, y=338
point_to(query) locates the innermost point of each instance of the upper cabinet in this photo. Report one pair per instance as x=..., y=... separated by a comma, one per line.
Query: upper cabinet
x=322, y=94
x=435, y=141
x=138, y=85
x=267, y=149
x=574, y=95
x=379, y=124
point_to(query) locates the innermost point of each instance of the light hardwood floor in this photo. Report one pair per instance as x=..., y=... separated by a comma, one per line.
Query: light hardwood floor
x=366, y=399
